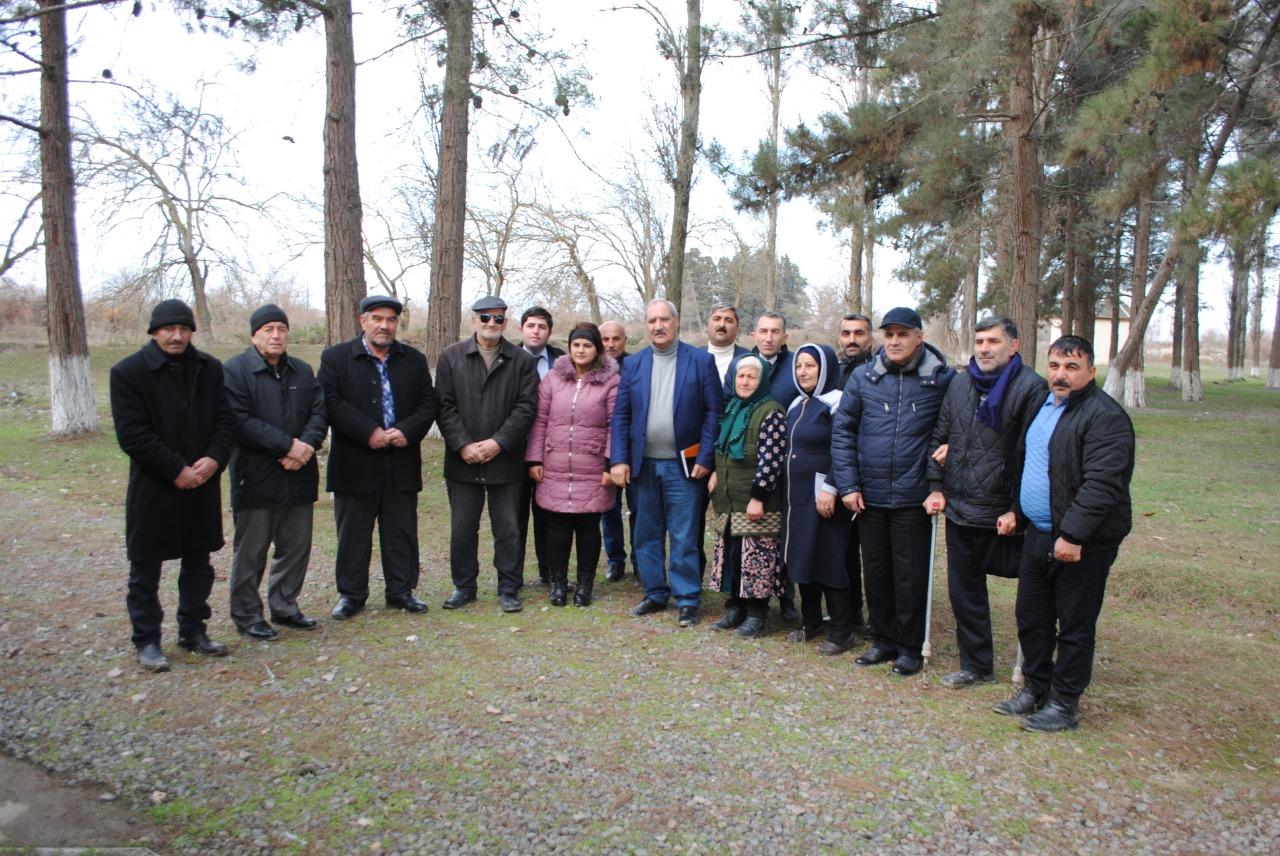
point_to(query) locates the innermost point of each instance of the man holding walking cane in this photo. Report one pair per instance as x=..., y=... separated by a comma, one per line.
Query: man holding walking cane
x=1071, y=495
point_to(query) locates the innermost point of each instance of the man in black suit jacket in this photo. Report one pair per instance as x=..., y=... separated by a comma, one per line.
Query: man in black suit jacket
x=535, y=330
x=380, y=403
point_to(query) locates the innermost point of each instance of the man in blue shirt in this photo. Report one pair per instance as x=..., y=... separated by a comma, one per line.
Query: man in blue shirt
x=1071, y=495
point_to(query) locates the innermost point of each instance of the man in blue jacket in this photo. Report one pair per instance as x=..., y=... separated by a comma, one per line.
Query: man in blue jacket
x=879, y=452
x=663, y=436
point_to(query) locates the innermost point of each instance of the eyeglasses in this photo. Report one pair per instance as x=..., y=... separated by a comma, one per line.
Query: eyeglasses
x=485, y=318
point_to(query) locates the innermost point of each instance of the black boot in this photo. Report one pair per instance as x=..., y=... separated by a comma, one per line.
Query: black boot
x=586, y=582
x=752, y=627
x=734, y=614
x=559, y=578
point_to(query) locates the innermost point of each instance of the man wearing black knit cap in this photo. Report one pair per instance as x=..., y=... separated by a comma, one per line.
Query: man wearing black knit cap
x=172, y=420
x=380, y=403
x=280, y=423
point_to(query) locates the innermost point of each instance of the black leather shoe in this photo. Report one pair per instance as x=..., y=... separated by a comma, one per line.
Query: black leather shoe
x=509, y=603
x=261, y=631
x=297, y=622
x=407, y=602
x=582, y=593
x=806, y=634
x=965, y=678
x=906, y=665
x=200, y=643
x=459, y=599
x=688, y=616
x=751, y=628
x=733, y=616
x=647, y=607
x=346, y=608
x=876, y=655
x=790, y=614
x=831, y=648
x=151, y=658
x=1056, y=716
x=1021, y=703
x=617, y=570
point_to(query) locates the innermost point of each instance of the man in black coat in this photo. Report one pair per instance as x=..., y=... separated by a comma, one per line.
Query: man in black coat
x=381, y=404
x=856, y=346
x=536, y=325
x=1071, y=494
x=172, y=420
x=280, y=423
x=488, y=401
x=985, y=411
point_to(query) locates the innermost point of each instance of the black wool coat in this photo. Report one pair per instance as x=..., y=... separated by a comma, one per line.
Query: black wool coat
x=353, y=401
x=480, y=404
x=164, y=424
x=270, y=413
x=978, y=477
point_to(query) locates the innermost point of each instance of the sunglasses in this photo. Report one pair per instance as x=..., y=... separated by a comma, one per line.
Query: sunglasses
x=485, y=318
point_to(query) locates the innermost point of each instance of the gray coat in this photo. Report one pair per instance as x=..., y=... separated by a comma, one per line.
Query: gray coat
x=270, y=413
x=477, y=403
x=978, y=477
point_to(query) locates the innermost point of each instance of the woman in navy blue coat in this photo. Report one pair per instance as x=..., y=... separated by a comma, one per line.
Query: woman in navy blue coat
x=816, y=524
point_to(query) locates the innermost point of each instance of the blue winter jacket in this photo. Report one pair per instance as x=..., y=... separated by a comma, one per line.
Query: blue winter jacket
x=880, y=438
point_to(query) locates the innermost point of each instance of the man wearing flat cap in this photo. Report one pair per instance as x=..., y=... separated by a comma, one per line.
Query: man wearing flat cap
x=380, y=403
x=488, y=400
x=280, y=423
x=879, y=457
x=172, y=420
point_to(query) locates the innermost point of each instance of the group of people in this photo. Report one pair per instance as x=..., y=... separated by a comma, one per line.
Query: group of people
x=817, y=469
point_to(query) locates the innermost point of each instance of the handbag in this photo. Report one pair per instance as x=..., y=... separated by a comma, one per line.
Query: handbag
x=769, y=526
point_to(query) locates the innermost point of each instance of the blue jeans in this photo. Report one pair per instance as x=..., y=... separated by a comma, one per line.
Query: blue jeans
x=669, y=505
x=611, y=526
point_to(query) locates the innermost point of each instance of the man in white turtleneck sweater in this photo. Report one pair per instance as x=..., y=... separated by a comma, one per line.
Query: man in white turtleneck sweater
x=722, y=336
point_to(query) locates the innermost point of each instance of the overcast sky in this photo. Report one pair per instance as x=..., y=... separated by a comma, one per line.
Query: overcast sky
x=284, y=96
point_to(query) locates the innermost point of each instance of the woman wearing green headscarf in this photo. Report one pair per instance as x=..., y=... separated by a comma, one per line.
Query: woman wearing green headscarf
x=750, y=453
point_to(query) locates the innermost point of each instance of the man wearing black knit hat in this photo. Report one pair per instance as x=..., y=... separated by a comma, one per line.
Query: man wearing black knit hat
x=172, y=420
x=380, y=403
x=280, y=423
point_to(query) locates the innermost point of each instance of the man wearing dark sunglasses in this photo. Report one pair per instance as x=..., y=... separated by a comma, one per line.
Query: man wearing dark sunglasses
x=488, y=399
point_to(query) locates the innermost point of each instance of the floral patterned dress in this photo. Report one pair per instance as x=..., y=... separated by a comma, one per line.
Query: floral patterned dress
x=750, y=566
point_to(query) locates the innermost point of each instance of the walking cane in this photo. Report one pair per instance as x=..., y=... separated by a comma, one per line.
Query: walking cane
x=1017, y=668
x=926, y=650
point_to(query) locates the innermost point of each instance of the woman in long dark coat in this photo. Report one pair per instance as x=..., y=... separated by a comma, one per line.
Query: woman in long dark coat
x=816, y=524
x=749, y=452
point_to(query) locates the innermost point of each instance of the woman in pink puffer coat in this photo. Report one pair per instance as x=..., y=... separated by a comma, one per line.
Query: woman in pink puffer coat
x=568, y=456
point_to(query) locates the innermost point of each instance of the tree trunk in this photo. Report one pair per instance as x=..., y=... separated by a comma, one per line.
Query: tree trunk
x=1179, y=309
x=1019, y=131
x=1086, y=290
x=868, y=258
x=853, y=298
x=199, y=275
x=586, y=281
x=969, y=287
x=774, y=67
x=1135, y=390
x=1192, y=388
x=344, y=285
x=444, y=305
x=72, y=406
x=690, y=98
x=1273, y=364
x=1255, y=312
x=1138, y=324
x=1237, y=312
x=1069, y=258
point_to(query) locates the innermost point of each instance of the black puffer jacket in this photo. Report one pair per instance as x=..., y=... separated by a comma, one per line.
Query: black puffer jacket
x=1090, y=466
x=978, y=477
x=880, y=437
x=270, y=412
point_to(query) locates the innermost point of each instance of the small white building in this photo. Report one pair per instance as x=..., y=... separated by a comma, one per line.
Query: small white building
x=1051, y=328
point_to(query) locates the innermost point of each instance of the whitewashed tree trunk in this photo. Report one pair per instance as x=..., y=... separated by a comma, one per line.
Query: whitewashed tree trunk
x=71, y=395
x=1135, y=389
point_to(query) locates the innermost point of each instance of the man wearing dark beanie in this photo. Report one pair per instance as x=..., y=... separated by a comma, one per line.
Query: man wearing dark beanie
x=280, y=423
x=172, y=420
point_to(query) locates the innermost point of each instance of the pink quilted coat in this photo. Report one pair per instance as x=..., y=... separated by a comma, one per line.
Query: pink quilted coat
x=570, y=437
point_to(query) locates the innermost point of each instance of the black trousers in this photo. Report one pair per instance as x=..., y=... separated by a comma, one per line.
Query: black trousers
x=396, y=513
x=540, y=521
x=195, y=581
x=756, y=607
x=973, y=552
x=839, y=609
x=1059, y=602
x=895, y=560
x=853, y=567
x=466, y=501
x=563, y=530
